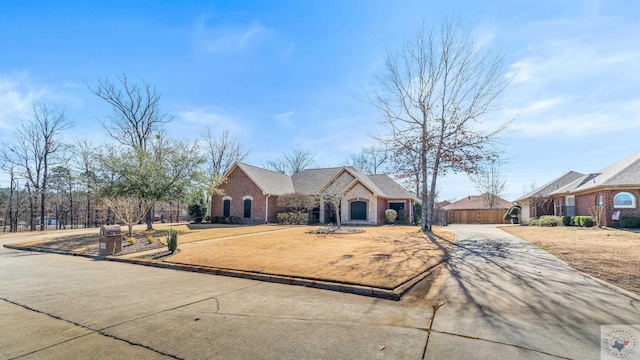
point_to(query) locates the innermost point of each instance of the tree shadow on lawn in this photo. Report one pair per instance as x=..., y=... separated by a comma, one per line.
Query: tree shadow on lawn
x=75, y=243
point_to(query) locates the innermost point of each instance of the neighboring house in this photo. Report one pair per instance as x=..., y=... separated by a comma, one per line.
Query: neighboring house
x=477, y=202
x=252, y=193
x=615, y=189
x=441, y=204
x=539, y=201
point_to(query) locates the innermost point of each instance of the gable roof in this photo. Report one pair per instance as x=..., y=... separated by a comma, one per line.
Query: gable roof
x=270, y=182
x=553, y=185
x=476, y=202
x=625, y=172
x=312, y=181
x=390, y=187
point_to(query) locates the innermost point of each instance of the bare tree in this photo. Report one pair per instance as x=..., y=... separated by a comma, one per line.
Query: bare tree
x=436, y=89
x=332, y=196
x=129, y=209
x=358, y=161
x=85, y=165
x=490, y=182
x=221, y=151
x=136, y=117
x=35, y=145
x=292, y=163
x=371, y=160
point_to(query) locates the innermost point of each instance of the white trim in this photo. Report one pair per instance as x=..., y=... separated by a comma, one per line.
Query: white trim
x=247, y=197
x=226, y=198
x=266, y=209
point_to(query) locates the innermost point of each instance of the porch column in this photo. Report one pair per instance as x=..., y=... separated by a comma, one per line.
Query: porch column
x=321, y=217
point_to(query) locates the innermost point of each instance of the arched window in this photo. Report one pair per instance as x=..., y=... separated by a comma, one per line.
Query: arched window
x=247, y=202
x=599, y=200
x=358, y=210
x=624, y=200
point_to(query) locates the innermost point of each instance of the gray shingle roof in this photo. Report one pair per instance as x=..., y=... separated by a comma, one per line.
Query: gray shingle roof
x=270, y=182
x=390, y=187
x=553, y=185
x=311, y=181
x=625, y=172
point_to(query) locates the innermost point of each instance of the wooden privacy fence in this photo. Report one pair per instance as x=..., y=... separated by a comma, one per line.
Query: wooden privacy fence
x=477, y=217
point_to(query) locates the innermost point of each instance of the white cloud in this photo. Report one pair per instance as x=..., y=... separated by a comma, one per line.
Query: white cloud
x=192, y=122
x=213, y=38
x=285, y=119
x=17, y=94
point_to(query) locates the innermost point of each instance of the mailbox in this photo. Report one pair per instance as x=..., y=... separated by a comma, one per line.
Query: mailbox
x=110, y=239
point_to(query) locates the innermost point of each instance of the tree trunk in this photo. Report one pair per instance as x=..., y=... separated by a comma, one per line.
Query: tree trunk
x=149, y=219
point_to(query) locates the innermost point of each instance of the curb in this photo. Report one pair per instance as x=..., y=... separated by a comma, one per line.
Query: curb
x=383, y=293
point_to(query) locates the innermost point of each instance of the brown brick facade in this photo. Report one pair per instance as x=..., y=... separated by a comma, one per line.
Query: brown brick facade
x=584, y=202
x=239, y=186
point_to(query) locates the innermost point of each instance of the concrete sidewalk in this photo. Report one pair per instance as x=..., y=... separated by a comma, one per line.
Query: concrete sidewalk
x=505, y=297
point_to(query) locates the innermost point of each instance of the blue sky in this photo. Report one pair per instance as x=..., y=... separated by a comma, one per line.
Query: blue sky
x=285, y=75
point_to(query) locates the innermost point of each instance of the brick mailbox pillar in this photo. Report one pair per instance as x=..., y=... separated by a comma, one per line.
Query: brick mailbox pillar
x=110, y=239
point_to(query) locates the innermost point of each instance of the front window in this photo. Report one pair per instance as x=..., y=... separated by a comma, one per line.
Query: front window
x=624, y=200
x=570, y=206
x=358, y=210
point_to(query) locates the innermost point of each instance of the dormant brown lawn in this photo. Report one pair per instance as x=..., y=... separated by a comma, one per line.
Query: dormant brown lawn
x=608, y=254
x=381, y=256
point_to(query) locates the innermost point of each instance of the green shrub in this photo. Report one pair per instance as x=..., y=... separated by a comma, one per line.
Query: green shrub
x=550, y=220
x=417, y=213
x=150, y=239
x=215, y=219
x=402, y=216
x=533, y=222
x=235, y=220
x=572, y=221
x=566, y=220
x=131, y=240
x=293, y=218
x=587, y=221
x=584, y=221
x=391, y=215
x=630, y=221
x=198, y=208
x=207, y=218
x=172, y=240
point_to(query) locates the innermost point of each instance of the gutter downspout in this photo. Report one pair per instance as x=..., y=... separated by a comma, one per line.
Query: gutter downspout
x=266, y=210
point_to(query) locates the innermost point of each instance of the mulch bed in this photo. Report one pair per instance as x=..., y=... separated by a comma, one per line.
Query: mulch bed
x=336, y=230
x=140, y=245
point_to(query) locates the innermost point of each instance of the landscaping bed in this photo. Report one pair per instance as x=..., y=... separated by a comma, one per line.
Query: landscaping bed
x=609, y=254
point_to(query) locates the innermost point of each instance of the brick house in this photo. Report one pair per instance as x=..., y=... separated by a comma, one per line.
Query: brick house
x=252, y=193
x=539, y=202
x=615, y=188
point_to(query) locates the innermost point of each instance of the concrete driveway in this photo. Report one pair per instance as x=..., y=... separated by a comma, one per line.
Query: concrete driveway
x=499, y=297
x=505, y=297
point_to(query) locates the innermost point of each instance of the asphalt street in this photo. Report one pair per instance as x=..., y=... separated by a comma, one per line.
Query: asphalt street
x=498, y=297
